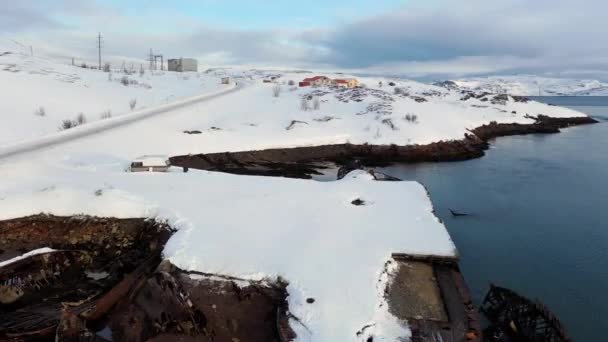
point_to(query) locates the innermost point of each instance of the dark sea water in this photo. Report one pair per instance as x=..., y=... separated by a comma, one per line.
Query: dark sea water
x=539, y=217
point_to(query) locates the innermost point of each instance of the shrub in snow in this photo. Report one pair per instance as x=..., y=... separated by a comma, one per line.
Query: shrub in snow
x=83, y=65
x=304, y=105
x=141, y=70
x=276, y=91
x=291, y=83
x=392, y=84
x=316, y=104
x=40, y=111
x=377, y=135
x=390, y=124
x=107, y=67
x=400, y=91
x=81, y=119
x=67, y=124
x=412, y=118
x=105, y=115
x=132, y=103
x=124, y=81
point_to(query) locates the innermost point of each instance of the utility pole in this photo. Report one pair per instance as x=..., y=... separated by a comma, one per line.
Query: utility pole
x=99, y=48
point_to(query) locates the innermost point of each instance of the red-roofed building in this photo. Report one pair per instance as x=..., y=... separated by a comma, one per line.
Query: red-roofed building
x=316, y=81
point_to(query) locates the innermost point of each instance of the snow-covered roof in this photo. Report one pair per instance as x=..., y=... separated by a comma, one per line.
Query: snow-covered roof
x=152, y=160
x=315, y=78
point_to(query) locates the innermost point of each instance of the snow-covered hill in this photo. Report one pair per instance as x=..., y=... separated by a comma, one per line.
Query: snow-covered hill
x=528, y=85
x=38, y=94
x=254, y=119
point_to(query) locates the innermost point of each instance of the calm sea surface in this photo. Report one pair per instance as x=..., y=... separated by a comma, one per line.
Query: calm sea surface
x=539, y=216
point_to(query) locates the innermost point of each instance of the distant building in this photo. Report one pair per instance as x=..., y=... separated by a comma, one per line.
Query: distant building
x=225, y=80
x=318, y=81
x=183, y=64
x=346, y=83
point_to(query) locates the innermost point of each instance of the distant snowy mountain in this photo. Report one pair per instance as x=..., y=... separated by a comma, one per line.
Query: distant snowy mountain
x=529, y=85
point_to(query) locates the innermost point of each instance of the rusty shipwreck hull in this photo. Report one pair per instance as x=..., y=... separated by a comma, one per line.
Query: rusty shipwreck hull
x=304, y=162
x=105, y=275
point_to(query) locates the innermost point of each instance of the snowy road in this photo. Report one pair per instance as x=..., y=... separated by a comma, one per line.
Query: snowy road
x=112, y=123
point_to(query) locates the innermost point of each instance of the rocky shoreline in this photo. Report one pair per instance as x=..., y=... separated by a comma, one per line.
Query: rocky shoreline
x=304, y=162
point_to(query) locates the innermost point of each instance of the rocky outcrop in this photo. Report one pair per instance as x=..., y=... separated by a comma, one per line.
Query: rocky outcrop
x=304, y=162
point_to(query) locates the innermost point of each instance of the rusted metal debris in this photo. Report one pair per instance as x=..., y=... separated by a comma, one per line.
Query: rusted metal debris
x=516, y=318
x=105, y=283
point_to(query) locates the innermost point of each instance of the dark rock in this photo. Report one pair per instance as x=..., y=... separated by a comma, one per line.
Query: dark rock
x=379, y=176
x=500, y=99
x=358, y=202
x=456, y=213
x=451, y=85
x=523, y=99
x=310, y=300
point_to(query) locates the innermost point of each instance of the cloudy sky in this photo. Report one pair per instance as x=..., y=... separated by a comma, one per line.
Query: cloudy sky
x=416, y=38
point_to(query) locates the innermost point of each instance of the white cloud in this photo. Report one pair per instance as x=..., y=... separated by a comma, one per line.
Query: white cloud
x=442, y=37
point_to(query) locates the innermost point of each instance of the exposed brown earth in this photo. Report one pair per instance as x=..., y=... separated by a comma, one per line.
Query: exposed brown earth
x=303, y=162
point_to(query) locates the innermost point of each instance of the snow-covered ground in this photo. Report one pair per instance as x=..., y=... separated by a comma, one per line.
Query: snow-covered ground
x=529, y=85
x=307, y=232
x=38, y=93
x=253, y=118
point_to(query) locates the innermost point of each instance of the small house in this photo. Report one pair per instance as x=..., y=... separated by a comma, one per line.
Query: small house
x=225, y=80
x=150, y=163
x=304, y=84
x=346, y=83
x=341, y=83
x=182, y=64
x=318, y=81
